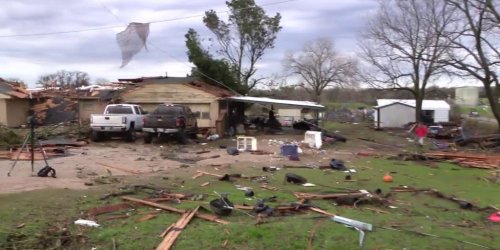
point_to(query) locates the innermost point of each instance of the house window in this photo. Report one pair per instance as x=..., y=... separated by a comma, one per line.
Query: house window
x=205, y=115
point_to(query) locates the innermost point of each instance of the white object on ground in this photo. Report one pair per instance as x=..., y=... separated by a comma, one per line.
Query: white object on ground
x=309, y=185
x=313, y=139
x=88, y=223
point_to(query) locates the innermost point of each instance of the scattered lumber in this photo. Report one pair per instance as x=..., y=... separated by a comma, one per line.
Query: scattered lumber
x=172, y=235
x=176, y=210
x=130, y=171
x=472, y=160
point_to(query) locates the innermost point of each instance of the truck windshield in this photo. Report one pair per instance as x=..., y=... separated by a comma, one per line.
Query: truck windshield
x=168, y=110
x=119, y=110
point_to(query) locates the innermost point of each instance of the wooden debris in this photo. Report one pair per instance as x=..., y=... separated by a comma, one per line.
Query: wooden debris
x=165, y=232
x=482, y=161
x=269, y=187
x=376, y=210
x=172, y=235
x=204, y=184
x=176, y=210
x=197, y=175
x=311, y=196
x=317, y=210
x=202, y=152
x=148, y=217
x=207, y=173
x=130, y=171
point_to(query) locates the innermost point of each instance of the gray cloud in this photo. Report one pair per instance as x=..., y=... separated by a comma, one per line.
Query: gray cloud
x=97, y=53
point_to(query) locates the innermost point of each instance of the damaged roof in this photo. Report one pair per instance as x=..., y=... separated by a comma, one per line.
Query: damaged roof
x=9, y=88
x=219, y=91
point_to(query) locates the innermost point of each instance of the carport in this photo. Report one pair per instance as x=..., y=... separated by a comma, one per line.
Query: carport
x=278, y=103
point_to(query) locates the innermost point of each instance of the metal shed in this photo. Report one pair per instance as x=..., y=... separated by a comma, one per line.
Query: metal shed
x=389, y=115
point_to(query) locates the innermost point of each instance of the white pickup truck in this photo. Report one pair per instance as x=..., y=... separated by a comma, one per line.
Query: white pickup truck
x=118, y=120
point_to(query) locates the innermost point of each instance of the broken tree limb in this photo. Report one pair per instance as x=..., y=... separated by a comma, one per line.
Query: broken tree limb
x=172, y=235
x=130, y=171
x=176, y=210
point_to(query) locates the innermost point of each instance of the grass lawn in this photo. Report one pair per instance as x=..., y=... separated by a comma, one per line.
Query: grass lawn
x=36, y=219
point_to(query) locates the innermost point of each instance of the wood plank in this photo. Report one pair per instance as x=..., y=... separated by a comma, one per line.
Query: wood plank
x=300, y=195
x=176, y=210
x=172, y=235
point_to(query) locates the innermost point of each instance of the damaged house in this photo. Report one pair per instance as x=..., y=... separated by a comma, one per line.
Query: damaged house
x=14, y=104
x=205, y=100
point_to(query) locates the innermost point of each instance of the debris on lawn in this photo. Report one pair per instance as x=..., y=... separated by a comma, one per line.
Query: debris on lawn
x=222, y=206
x=176, y=230
x=88, y=223
x=361, y=227
x=295, y=179
x=472, y=160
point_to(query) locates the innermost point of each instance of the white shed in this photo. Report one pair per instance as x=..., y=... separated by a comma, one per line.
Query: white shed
x=397, y=112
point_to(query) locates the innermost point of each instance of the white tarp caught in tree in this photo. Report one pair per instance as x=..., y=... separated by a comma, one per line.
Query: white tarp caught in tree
x=132, y=40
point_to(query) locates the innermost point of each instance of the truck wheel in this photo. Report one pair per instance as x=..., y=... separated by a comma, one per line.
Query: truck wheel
x=148, y=138
x=194, y=133
x=130, y=136
x=181, y=137
x=95, y=136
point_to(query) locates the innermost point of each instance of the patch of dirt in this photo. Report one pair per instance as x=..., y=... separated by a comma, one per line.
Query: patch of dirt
x=89, y=165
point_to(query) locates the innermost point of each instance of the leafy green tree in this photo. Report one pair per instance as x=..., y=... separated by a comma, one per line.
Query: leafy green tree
x=242, y=39
x=207, y=68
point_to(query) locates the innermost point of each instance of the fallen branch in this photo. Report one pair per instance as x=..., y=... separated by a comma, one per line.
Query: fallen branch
x=311, y=196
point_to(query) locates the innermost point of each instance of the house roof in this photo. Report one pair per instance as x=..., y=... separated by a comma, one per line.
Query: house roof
x=215, y=90
x=8, y=88
x=426, y=104
x=266, y=100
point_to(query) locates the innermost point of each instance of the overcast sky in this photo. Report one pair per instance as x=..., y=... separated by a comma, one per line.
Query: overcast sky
x=96, y=52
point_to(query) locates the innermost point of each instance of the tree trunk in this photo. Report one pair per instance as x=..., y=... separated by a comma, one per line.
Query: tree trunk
x=418, y=108
x=493, y=96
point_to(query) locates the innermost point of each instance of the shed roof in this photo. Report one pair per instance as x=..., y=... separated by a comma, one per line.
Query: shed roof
x=394, y=103
x=266, y=100
x=426, y=104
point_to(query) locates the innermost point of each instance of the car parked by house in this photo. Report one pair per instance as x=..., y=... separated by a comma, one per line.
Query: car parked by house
x=117, y=120
x=170, y=119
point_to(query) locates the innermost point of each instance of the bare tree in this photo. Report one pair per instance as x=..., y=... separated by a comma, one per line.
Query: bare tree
x=64, y=79
x=320, y=66
x=475, y=42
x=403, y=45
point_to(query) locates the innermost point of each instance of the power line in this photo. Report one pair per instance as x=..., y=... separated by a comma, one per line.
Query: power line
x=120, y=26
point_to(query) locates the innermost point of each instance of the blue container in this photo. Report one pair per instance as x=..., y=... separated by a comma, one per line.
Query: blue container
x=289, y=150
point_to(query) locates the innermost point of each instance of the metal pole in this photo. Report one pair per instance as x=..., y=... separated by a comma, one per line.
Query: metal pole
x=32, y=132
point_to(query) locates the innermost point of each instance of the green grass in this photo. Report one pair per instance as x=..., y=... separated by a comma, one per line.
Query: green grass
x=418, y=212
x=482, y=111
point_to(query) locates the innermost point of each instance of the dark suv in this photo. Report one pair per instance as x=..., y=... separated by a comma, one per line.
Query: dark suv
x=170, y=119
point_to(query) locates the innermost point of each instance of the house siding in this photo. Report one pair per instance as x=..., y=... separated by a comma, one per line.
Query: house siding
x=3, y=112
x=17, y=112
x=441, y=115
